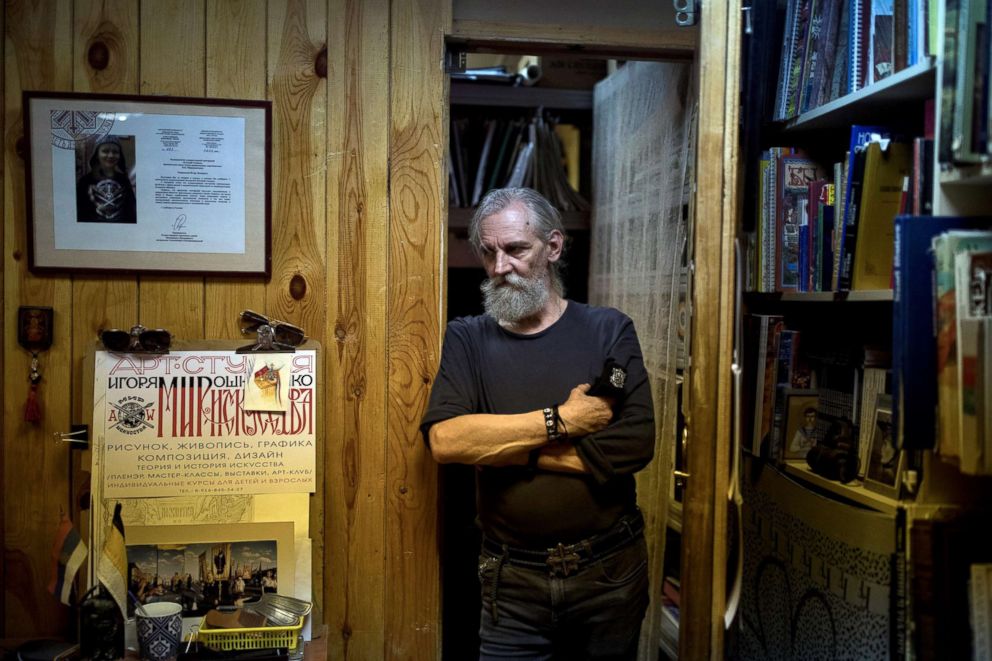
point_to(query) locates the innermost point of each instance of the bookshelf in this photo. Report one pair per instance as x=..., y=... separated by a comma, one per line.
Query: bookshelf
x=931, y=488
x=854, y=491
x=874, y=102
x=472, y=106
x=848, y=296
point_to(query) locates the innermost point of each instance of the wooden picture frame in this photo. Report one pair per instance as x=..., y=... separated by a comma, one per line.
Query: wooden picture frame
x=885, y=461
x=141, y=184
x=798, y=426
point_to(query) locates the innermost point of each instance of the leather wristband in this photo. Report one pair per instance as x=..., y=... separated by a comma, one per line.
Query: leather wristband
x=550, y=424
x=553, y=424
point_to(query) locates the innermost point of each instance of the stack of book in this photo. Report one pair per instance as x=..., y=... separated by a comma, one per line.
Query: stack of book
x=537, y=153
x=816, y=233
x=835, y=47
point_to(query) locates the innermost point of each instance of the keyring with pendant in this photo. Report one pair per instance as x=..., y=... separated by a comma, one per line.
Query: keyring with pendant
x=34, y=332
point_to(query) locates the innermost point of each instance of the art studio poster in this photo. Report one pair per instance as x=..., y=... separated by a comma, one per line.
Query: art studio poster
x=189, y=423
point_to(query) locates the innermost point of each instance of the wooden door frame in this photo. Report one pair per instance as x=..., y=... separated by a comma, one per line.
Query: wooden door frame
x=708, y=410
x=704, y=538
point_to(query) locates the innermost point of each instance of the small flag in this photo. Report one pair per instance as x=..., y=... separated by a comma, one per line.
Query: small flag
x=112, y=568
x=68, y=554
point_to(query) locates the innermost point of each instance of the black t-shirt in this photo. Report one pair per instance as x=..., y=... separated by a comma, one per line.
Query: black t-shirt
x=487, y=369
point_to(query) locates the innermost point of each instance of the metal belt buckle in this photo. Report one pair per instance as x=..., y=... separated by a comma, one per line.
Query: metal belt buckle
x=563, y=560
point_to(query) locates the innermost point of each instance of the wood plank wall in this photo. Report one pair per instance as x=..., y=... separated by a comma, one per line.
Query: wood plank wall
x=357, y=199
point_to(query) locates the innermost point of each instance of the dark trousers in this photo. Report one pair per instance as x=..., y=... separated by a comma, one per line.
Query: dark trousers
x=594, y=613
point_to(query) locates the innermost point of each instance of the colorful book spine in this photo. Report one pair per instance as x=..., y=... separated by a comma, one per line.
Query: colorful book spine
x=945, y=247
x=795, y=174
x=880, y=37
x=769, y=327
x=798, y=59
x=973, y=272
x=785, y=67
x=949, y=75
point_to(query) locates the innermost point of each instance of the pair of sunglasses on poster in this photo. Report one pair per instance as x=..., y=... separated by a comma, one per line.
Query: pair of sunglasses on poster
x=279, y=333
x=137, y=340
x=145, y=340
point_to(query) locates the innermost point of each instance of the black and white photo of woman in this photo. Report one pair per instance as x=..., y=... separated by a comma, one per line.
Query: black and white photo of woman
x=104, y=193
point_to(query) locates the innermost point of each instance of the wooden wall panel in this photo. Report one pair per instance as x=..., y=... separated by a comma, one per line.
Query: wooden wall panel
x=358, y=85
x=236, y=68
x=105, y=60
x=3, y=245
x=37, y=56
x=418, y=195
x=173, y=62
x=296, y=34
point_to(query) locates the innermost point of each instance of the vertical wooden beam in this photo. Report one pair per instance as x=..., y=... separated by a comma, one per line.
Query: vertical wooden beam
x=173, y=62
x=418, y=116
x=297, y=291
x=705, y=507
x=37, y=56
x=236, y=68
x=4, y=396
x=356, y=364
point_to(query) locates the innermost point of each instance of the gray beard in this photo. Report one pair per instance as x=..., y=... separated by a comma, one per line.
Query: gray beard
x=513, y=298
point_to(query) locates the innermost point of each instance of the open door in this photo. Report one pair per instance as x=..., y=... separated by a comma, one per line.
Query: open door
x=708, y=399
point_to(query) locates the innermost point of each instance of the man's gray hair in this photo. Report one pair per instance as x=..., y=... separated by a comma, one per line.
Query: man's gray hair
x=544, y=217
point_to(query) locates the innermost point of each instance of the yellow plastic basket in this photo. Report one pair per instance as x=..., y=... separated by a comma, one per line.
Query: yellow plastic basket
x=224, y=640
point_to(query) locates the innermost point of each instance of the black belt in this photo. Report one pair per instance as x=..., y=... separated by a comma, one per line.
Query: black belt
x=566, y=559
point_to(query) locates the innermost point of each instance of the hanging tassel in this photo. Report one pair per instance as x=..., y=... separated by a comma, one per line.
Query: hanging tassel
x=32, y=410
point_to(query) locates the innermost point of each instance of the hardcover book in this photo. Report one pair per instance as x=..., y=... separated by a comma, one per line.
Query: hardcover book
x=880, y=38
x=765, y=330
x=881, y=193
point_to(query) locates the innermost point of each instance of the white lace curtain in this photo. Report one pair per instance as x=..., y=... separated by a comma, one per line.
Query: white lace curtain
x=643, y=153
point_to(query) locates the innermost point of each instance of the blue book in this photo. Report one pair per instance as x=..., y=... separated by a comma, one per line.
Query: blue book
x=914, y=343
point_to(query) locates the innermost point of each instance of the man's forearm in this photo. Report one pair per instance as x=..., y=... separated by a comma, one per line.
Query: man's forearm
x=487, y=439
x=561, y=457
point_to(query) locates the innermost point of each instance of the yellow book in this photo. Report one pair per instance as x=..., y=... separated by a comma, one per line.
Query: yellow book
x=881, y=194
x=568, y=134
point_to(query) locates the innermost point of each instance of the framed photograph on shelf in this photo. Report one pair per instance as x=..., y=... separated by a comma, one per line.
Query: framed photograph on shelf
x=885, y=462
x=799, y=422
x=121, y=183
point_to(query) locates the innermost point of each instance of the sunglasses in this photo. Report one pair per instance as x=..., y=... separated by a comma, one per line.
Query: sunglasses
x=138, y=340
x=283, y=333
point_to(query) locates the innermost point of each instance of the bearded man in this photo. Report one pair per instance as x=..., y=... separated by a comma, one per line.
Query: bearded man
x=563, y=564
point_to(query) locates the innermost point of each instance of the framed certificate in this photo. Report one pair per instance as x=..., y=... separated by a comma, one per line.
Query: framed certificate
x=147, y=184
